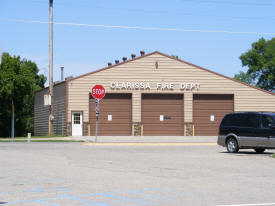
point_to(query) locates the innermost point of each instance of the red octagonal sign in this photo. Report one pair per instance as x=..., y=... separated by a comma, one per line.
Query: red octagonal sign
x=98, y=92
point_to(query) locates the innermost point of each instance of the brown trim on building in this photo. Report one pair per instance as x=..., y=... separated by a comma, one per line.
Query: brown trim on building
x=67, y=100
x=89, y=100
x=48, y=87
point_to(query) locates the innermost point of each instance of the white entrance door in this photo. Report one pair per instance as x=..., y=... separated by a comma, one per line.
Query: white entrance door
x=76, y=123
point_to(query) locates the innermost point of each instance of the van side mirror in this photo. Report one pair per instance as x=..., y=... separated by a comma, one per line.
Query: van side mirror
x=271, y=125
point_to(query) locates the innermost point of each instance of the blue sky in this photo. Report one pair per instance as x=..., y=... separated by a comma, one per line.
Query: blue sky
x=81, y=49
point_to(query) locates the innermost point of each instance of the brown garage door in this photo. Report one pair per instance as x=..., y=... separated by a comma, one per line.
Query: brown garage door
x=208, y=111
x=115, y=116
x=162, y=114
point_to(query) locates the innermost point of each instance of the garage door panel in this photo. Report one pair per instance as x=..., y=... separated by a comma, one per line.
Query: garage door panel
x=114, y=121
x=114, y=127
x=114, y=107
x=165, y=113
x=160, y=108
x=170, y=128
x=214, y=97
x=104, y=115
x=162, y=97
x=111, y=133
x=220, y=106
x=206, y=105
x=174, y=120
x=164, y=133
x=207, y=114
x=165, y=102
x=117, y=105
x=168, y=105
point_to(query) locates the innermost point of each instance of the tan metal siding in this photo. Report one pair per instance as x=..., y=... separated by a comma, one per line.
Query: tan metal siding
x=169, y=70
x=136, y=106
x=188, y=107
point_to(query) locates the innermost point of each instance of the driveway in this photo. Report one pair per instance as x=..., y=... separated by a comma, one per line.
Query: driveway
x=58, y=174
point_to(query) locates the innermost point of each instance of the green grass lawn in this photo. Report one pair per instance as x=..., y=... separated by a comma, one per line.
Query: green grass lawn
x=33, y=137
x=273, y=155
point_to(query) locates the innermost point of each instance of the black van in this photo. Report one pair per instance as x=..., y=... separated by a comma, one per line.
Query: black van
x=247, y=130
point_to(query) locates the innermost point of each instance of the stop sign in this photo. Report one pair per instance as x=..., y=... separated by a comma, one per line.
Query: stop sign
x=98, y=92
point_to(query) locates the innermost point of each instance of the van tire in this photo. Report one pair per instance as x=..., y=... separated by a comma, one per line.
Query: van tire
x=232, y=145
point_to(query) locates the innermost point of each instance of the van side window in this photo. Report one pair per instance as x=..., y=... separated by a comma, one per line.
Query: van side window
x=248, y=120
x=254, y=120
x=266, y=120
x=242, y=120
x=238, y=120
x=227, y=120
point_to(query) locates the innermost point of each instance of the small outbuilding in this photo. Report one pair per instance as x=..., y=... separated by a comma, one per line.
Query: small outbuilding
x=153, y=94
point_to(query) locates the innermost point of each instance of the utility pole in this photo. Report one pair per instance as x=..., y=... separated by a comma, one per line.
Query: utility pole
x=51, y=71
x=62, y=73
x=12, y=121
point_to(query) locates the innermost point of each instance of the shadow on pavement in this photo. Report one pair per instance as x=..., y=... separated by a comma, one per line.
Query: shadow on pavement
x=250, y=153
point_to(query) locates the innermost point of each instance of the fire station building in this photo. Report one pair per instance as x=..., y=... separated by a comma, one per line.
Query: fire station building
x=153, y=94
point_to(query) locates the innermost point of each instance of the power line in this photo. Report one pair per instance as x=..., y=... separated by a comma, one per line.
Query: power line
x=245, y=3
x=179, y=13
x=140, y=27
x=229, y=2
x=174, y=12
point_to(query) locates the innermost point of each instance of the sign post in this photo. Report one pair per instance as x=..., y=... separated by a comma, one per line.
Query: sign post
x=98, y=92
x=96, y=116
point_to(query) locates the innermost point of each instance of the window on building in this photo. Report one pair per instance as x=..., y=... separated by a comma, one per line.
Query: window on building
x=76, y=118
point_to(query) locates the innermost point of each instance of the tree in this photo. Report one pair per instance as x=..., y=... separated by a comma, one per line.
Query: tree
x=260, y=60
x=175, y=56
x=19, y=79
x=244, y=77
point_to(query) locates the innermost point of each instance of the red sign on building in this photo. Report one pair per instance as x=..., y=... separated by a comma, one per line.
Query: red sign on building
x=98, y=92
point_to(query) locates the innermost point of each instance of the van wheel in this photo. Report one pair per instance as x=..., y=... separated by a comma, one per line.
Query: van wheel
x=259, y=150
x=232, y=145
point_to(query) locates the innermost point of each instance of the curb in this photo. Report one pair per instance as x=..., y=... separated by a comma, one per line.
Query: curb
x=149, y=144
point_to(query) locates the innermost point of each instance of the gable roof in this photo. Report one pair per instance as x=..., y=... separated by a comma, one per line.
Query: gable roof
x=176, y=59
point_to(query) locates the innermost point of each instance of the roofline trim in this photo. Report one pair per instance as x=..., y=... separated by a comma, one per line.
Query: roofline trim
x=182, y=61
x=235, y=80
x=114, y=65
x=48, y=86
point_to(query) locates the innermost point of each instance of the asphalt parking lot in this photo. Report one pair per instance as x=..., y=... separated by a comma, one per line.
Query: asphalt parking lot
x=58, y=174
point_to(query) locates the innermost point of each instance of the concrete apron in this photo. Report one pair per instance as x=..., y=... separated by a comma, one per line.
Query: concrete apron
x=146, y=139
